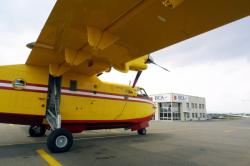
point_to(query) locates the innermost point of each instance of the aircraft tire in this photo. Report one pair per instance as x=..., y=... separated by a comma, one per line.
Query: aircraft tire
x=142, y=131
x=59, y=140
x=37, y=131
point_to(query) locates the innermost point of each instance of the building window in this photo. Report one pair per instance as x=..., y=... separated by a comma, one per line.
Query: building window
x=201, y=115
x=193, y=115
x=161, y=115
x=195, y=105
x=199, y=106
x=192, y=104
x=164, y=104
x=203, y=106
x=187, y=114
x=187, y=105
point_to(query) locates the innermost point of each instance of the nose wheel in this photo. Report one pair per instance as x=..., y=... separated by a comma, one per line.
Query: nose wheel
x=59, y=140
x=142, y=131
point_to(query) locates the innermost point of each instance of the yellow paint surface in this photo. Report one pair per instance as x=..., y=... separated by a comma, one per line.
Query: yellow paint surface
x=48, y=158
x=71, y=107
x=101, y=35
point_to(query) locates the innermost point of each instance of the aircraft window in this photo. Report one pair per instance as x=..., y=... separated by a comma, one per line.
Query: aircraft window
x=19, y=84
x=141, y=92
x=73, y=85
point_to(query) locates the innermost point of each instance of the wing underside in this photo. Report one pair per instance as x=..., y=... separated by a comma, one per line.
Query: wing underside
x=91, y=36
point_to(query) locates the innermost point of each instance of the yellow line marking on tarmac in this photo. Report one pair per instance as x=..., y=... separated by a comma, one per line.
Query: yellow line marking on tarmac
x=49, y=159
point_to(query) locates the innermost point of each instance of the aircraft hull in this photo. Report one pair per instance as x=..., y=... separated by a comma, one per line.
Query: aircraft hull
x=76, y=126
x=102, y=106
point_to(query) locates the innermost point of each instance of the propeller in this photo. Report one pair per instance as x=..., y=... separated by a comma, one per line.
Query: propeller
x=99, y=74
x=150, y=60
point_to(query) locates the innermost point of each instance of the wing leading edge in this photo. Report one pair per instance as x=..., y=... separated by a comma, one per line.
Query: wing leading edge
x=92, y=36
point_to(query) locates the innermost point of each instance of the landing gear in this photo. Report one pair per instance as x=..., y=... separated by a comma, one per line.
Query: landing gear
x=37, y=131
x=142, y=131
x=60, y=140
x=53, y=115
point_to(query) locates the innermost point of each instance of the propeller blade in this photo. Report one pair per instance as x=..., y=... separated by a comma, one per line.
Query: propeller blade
x=99, y=74
x=160, y=66
x=151, y=61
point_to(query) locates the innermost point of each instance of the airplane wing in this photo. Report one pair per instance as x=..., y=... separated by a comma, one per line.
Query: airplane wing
x=91, y=36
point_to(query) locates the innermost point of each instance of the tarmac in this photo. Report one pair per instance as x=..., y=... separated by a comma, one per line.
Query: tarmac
x=203, y=143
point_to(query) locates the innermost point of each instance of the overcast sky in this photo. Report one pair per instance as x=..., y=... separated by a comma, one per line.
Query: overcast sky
x=215, y=65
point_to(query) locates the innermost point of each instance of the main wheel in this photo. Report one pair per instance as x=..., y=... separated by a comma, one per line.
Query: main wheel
x=37, y=131
x=142, y=131
x=59, y=140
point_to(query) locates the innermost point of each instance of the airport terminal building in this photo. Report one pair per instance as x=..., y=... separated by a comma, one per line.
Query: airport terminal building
x=173, y=106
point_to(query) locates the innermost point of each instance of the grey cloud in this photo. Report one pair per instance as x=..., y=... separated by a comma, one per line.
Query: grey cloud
x=225, y=43
x=20, y=15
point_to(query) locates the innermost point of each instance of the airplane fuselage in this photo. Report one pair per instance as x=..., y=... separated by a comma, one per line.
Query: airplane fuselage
x=85, y=103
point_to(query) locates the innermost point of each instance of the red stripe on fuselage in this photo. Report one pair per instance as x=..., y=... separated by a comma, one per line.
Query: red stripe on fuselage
x=5, y=81
x=7, y=88
x=26, y=90
x=40, y=85
x=147, y=100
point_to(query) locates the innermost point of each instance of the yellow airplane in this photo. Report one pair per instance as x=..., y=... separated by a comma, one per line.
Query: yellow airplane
x=58, y=87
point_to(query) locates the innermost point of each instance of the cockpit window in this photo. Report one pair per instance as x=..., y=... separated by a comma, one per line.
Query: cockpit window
x=141, y=92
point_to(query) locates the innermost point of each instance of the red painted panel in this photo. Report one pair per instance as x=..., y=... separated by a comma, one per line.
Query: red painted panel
x=76, y=126
x=21, y=119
